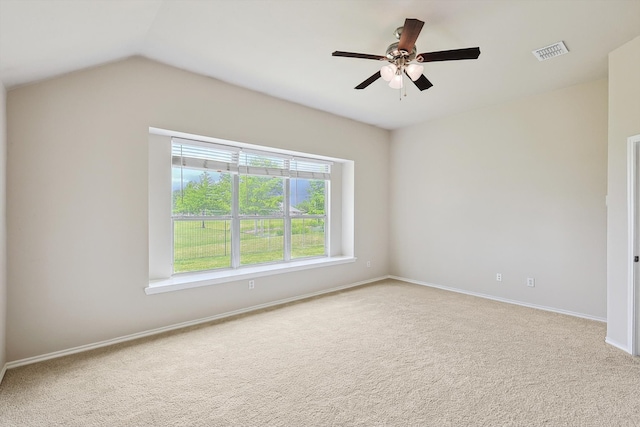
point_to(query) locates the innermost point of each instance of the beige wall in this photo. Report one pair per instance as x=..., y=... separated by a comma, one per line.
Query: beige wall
x=517, y=189
x=77, y=199
x=624, y=121
x=3, y=222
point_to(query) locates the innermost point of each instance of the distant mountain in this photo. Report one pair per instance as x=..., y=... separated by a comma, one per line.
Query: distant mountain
x=299, y=187
x=299, y=191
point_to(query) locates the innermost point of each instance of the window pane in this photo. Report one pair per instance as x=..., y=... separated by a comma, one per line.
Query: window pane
x=307, y=196
x=307, y=237
x=201, y=245
x=197, y=192
x=261, y=240
x=261, y=195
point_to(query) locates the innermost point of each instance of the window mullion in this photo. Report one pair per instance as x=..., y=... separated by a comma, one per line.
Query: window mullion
x=327, y=188
x=235, y=221
x=287, y=219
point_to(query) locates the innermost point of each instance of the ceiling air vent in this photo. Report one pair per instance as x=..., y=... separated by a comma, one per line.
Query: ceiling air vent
x=550, y=51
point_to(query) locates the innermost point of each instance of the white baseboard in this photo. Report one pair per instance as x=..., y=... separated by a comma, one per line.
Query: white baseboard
x=617, y=345
x=2, y=372
x=131, y=337
x=509, y=301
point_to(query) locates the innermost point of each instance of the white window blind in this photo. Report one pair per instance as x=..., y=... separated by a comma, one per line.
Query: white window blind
x=226, y=158
x=195, y=155
x=310, y=169
x=259, y=163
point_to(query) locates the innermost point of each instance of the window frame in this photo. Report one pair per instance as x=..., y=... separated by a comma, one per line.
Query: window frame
x=236, y=217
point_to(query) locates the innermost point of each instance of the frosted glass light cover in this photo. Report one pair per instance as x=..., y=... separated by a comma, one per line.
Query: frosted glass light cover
x=396, y=82
x=415, y=71
x=388, y=71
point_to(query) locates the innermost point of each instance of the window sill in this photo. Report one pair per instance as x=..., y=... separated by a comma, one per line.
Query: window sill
x=196, y=280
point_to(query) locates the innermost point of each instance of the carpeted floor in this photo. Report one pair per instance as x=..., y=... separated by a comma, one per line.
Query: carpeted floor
x=386, y=354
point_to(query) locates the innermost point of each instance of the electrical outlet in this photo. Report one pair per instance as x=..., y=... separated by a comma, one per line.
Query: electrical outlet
x=252, y=284
x=368, y=263
x=499, y=277
x=531, y=282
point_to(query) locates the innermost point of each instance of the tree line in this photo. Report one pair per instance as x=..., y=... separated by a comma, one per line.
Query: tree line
x=258, y=195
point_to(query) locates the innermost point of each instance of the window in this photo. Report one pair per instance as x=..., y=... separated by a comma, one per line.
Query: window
x=234, y=207
x=228, y=222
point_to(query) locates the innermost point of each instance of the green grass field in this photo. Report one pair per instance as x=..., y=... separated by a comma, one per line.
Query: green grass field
x=206, y=245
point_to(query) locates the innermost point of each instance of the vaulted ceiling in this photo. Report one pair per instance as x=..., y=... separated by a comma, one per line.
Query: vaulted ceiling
x=283, y=47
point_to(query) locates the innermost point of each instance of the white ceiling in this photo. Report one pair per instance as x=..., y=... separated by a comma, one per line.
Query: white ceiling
x=283, y=47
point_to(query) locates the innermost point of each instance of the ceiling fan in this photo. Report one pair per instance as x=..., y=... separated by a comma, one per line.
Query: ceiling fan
x=401, y=54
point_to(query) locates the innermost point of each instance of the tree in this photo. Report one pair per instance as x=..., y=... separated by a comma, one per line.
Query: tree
x=314, y=203
x=260, y=195
x=204, y=197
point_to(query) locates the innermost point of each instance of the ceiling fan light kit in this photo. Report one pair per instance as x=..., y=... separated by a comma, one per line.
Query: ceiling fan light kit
x=396, y=82
x=414, y=71
x=400, y=55
x=392, y=74
x=388, y=71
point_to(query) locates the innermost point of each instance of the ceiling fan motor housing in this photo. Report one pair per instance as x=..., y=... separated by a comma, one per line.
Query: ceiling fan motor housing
x=394, y=54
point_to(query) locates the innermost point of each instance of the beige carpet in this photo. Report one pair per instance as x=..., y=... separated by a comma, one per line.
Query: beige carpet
x=387, y=354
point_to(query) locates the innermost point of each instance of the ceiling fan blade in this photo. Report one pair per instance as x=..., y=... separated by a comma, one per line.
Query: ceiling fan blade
x=358, y=55
x=422, y=83
x=370, y=80
x=449, y=55
x=410, y=33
